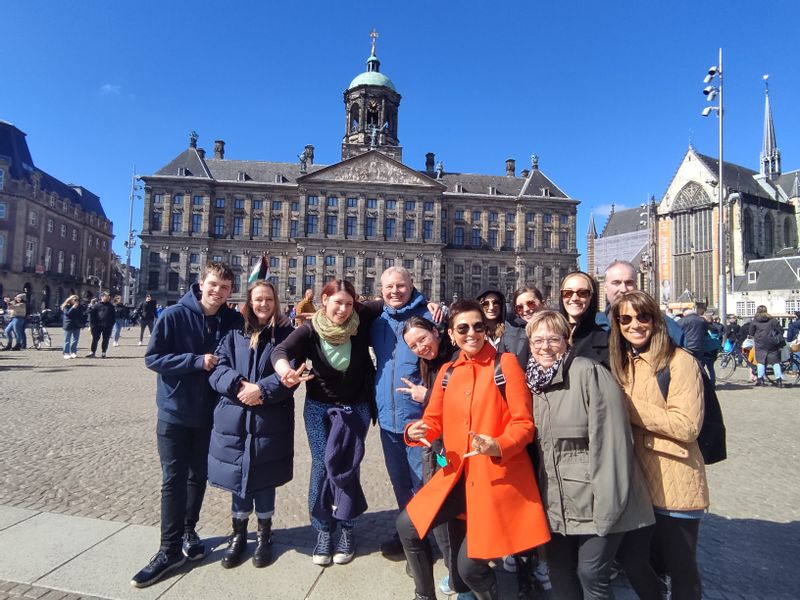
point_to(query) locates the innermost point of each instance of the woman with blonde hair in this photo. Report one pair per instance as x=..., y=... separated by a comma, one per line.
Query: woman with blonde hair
x=252, y=440
x=665, y=434
x=72, y=316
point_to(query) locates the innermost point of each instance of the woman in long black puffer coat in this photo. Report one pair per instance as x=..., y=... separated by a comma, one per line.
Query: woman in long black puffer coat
x=252, y=441
x=768, y=340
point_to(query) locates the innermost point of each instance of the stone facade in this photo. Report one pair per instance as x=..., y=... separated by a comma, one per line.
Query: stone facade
x=55, y=239
x=456, y=232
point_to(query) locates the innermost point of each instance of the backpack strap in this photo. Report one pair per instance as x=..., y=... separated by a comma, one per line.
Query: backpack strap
x=447, y=373
x=663, y=378
x=499, y=377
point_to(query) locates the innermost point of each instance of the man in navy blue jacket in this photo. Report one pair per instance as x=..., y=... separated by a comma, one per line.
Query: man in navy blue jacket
x=181, y=351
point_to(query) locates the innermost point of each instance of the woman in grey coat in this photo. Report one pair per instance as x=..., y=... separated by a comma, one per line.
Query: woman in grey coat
x=768, y=339
x=591, y=485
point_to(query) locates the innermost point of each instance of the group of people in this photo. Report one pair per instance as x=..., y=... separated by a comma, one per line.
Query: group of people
x=16, y=313
x=512, y=429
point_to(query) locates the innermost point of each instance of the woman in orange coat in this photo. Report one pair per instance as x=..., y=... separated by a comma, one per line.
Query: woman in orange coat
x=488, y=477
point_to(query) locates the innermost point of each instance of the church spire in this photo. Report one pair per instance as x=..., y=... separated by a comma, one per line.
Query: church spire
x=592, y=233
x=770, y=155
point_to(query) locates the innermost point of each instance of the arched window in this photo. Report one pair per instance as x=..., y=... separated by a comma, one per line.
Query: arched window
x=747, y=232
x=354, y=118
x=693, y=234
x=789, y=234
x=769, y=235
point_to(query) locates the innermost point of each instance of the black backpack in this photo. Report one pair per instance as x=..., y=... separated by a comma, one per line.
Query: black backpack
x=712, y=433
x=499, y=378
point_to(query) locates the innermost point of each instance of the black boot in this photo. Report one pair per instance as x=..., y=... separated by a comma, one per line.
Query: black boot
x=490, y=594
x=263, y=554
x=236, y=545
x=420, y=566
x=759, y=381
x=779, y=382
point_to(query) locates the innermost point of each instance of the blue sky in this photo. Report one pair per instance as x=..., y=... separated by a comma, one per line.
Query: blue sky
x=607, y=94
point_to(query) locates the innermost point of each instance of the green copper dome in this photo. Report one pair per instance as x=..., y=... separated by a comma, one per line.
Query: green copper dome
x=372, y=76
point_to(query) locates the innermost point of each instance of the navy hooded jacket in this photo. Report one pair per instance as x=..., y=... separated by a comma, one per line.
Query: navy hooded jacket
x=181, y=337
x=252, y=447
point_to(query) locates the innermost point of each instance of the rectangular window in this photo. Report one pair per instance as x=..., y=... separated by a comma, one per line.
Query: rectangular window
x=197, y=222
x=476, y=216
x=154, y=258
x=333, y=202
x=48, y=258
x=174, y=257
x=157, y=199
x=275, y=228
x=371, y=226
x=546, y=241
x=255, y=229
x=509, y=243
x=197, y=200
x=274, y=262
x=194, y=259
x=427, y=230
x=331, y=222
x=173, y=281
x=292, y=263
x=295, y=205
x=277, y=206
x=391, y=204
x=493, y=216
x=75, y=231
x=410, y=205
x=236, y=261
x=388, y=262
x=476, y=237
x=352, y=202
x=548, y=218
x=258, y=204
x=216, y=258
x=428, y=207
x=310, y=260
x=459, y=270
x=219, y=203
x=528, y=239
x=3, y=210
x=529, y=217
x=33, y=218
x=493, y=238
x=238, y=203
x=155, y=224
x=372, y=203
x=389, y=228
x=369, y=286
x=408, y=264
x=349, y=261
x=458, y=236
x=369, y=262
x=311, y=224
x=177, y=199
x=238, y=225
x=563, y=219
x=63, y=231
x=73, y=264
x=50, y=225
x=408, y=229
x=459, y=215
x=313, y=201
x=350, y=226
x=293, y=228
x=309, y=282
x=444, y=234
x=219, y=226
x=152, y=280
x=330, y=261
x=563, y=241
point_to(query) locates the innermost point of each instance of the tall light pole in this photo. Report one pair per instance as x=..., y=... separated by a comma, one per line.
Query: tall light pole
x=130, y=242
x=712, y=92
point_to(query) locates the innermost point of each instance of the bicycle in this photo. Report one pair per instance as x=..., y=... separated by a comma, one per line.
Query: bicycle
x=728, y=361
x=39, y=335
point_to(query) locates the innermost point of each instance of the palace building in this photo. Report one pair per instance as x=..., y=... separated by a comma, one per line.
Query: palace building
x=456, y=232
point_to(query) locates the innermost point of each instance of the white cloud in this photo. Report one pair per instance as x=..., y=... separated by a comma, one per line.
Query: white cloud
x=109, y=89
x=605, y=209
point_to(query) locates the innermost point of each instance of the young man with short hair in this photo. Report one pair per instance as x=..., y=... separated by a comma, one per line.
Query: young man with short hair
x=181, y=351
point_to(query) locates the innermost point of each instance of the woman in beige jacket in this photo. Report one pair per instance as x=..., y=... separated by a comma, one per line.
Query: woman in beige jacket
x=665, y=434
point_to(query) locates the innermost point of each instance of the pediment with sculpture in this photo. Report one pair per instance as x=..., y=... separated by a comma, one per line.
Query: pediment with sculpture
x=371, y=167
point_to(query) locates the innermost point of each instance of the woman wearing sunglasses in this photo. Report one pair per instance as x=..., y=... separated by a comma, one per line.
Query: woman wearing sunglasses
x=488, y=476
x=591, y=485
x=525, y=302
x=665, y=434
x=493, y=303
x=578, y=303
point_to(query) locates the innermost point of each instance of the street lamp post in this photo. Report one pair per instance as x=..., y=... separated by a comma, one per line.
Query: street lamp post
x=712, y=92
x=130, y=242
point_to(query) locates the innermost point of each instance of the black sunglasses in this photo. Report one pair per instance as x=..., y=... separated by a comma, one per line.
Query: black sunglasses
x=463, y=328
x=627, y=319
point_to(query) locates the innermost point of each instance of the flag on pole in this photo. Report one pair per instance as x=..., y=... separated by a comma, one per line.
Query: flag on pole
x=260, y=270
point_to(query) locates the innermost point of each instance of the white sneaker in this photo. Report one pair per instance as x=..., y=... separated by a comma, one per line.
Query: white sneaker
x=141, y=344
x=66, y=357
x=509, y=564
x=73, y=355
x=116, y=344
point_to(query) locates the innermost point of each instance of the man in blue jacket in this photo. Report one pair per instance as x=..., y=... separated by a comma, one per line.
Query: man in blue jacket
x=396, y=362
x=181, y=351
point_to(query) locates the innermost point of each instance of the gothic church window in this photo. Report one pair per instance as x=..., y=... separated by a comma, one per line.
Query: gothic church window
x=769, y=235
x=789, y=236
x=747, y=232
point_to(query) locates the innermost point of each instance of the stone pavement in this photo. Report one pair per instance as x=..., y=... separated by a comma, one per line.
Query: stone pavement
x=80, y=479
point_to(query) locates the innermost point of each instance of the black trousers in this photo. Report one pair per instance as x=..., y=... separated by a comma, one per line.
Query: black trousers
x=674, y=553
x=465, y=573
x=580, y=565
x=634, y=555
x=105, y=332
x=142, y=325
x=184, y=467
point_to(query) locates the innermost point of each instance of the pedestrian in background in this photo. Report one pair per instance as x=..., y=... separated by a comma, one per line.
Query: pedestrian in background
x=147, y=316
x=72, y=316
x=121, y=313
x=252, y=439
x=101, y=319
x=695, y=328
x=305, y=309
x=20, y=308
x=665, y=434
x=768, y=339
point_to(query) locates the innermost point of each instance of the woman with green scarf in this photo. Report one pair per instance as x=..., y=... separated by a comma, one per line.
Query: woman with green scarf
x=340, y=401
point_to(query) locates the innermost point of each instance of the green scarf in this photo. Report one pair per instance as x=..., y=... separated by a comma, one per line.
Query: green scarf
x=331, y=332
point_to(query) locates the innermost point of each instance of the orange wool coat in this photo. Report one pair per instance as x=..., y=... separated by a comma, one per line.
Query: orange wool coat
x=504, y=513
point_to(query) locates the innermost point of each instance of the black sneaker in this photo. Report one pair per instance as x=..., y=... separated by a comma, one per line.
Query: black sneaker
x=322, y=551
x=345, y=548
x=392, y=547
x=161, y=564
x=192, y=547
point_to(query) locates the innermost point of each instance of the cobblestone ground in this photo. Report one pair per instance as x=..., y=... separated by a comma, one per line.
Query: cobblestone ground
x=78, y=438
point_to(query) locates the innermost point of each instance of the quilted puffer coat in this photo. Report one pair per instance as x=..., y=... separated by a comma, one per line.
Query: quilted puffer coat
x=665, y=431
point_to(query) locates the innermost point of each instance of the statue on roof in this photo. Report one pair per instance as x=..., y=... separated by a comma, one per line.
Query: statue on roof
x=374, y=35
x=303, y=156
x=193, y=139
x=439, y=170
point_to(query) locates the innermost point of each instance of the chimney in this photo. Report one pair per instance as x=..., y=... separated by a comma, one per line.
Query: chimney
x=310, y=153
x=219, y=149
x=430, y=161
x=510, y=167
x=201, y=152
x=524, y=173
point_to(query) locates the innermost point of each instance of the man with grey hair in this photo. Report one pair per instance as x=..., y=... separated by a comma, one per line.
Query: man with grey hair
x=396, y=363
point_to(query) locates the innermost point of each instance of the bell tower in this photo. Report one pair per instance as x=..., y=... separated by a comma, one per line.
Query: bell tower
x=371, y=105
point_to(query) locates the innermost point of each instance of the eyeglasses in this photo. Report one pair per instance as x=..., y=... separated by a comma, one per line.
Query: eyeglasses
x=488, y=303
x=541, y=342
x=463, y=328
x=530, y=305
x=644, y=319
x=582, y=294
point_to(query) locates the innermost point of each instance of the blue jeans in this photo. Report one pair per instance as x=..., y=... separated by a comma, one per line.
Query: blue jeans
x=71, y=337
x=404, y=465
x=19, y=331
x=761, y=370
x=183, y=452
x=10, y=333
x=318, y=427
x=264, y=501
x=118, y=325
